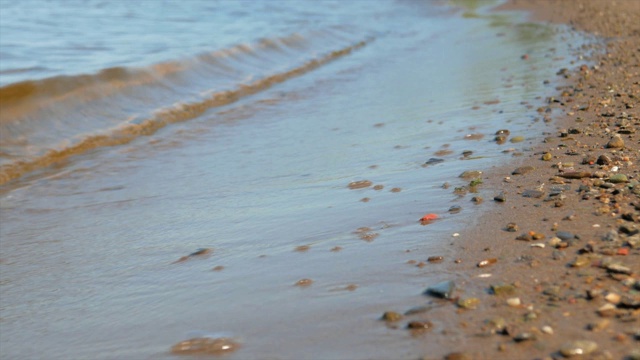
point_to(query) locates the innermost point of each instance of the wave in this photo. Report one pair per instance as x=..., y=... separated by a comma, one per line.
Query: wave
x=44, y=122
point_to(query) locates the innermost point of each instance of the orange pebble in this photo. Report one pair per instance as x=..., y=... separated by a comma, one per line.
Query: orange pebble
x=623, y=251
x=429, y=217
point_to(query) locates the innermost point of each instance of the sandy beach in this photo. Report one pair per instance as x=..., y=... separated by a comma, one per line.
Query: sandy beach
x=551, y=270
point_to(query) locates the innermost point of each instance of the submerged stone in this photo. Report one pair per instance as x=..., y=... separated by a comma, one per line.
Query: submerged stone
x=442, y=290
x=205, y=345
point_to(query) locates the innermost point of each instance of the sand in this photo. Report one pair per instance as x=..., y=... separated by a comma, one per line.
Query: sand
x=571, y=283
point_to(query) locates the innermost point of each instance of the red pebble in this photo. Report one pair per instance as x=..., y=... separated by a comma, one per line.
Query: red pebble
x=623, y=251
x=525, y=57
x=429, y=217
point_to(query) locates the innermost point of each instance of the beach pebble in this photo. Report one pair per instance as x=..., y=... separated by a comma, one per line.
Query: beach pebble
x=517, y=139
x=603, y=160
x=458, y=356
x=578, y=347
x=500, y=197
x=205, y=345
x=442, y=290
x=536, y=194
x=547, y=329
x=435, y=259
x=304, y=282
x=511, y=227
x=547, y=156
x=616, y=142
x=618, y=178
x=471, y=174
x=514, y=302
x=524, y=336
x=433, y=161
x=575, y=174
x=359, y=184
x=391, y=316
x=502, y=289
x=522, y=170
x=468, y=303
x=455, y=209
x=419, y=325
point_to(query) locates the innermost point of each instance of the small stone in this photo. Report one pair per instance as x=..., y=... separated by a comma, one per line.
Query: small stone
x=359, y=184
x=455, y=209
x=442, y=290
x=611, y=235
x=468, y=303
x=581, y=260
x=616, y=142
x=603, y=160
x=458, y=356
x=417, y=310
x=419, y=325
x=471, y=174
x=433, y=161
x=477, y=200
x=514, y=302
x=524, y=336
x=497, y=324
x=607, y=310
x=205, y=345
x=547, y=329
x=613, y=298
x=517, y=139
x=575, y=174
x=435, y=259
x=487, y=262
x=500, y=290
x=618, y=178
x=578, y=347
x=391, y=316
x=500, y=197
x=304, y=282
x=565, y=235
x=537, y=194
x=522, y=170
x=503, y=132
x=547, y=156
x=618, y=269
x=511, y=227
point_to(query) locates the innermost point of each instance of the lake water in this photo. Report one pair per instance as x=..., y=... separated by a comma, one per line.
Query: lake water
x=134, y=133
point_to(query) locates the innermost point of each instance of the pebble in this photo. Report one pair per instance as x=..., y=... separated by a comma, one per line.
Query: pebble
x=500, y=197
x=487, y=262
x=618, y=178
x=420, y=325
x=359, y=184
x=575, y=174
x=603, y=160
x=471, y=174
x=455, y=209
x=565, y=235
x=433, y=161
x=205, y=345
x=524, y=336
x=536, y=194
x=435, y=259
x=391, y=316
x=458, y=356
x=547, y=329
x=417, y=310
x=616, y=142
x=502, y=289
x=442, y=290
x=468, y=303
x=304, y=282
x=517, y=139
x=503, y=132
x=547, y=156
x=618, y=269
x=522, y=170
x=578, y=347
x=514, y=302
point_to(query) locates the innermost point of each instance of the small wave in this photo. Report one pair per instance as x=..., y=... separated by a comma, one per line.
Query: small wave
x=45, y=122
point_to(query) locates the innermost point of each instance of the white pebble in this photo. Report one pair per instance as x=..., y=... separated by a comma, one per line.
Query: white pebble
x=596, y=225
x=538, y=245
x=455, y=235
x=513, y=302
x=615, y=168
x=484, y=275
x=547, y=329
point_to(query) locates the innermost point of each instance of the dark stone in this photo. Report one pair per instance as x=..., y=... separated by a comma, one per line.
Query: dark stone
x=442, y=290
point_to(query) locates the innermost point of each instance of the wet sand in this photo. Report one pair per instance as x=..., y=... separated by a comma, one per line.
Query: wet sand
x=554, y=270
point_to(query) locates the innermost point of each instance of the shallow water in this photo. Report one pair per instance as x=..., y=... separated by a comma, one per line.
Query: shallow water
x=250, y=154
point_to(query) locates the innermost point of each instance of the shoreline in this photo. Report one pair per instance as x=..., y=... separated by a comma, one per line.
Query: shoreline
x=563, y=251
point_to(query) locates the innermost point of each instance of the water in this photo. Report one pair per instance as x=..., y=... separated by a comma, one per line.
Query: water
x=131, y=136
